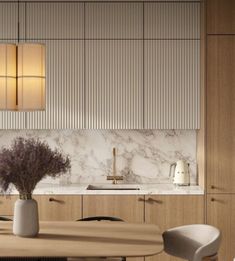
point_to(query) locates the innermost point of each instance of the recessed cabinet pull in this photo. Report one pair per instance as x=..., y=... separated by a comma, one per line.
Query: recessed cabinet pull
x=212, y=187
x=141, y=199
x=51, y=199
x=212, y=199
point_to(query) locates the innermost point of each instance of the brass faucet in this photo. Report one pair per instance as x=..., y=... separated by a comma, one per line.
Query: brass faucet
x=114, y=177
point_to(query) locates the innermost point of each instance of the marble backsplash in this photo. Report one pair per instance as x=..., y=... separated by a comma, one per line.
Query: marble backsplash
x=143, y=156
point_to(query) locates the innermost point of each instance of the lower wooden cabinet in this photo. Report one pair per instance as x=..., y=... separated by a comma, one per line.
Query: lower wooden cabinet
x=221, y=214
x=59, y=207
x=172, y=211
x=164, y=211
x=128, y=208
x=7, y=205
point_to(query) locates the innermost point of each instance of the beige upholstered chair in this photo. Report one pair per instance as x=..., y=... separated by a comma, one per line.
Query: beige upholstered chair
x=197, y=242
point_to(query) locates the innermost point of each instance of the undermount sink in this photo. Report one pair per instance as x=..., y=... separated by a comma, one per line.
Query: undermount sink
x=113, y=187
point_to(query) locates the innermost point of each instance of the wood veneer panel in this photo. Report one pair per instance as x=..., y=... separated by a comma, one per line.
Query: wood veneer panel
x=220, y=16
x=221, y=214
x=59, y=207
x=172, y=211
x=220, y=114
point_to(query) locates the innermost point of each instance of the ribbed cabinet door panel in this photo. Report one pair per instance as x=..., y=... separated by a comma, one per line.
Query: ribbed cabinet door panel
x=55, y=20
x=9, y=33
x=64, y=87
x=8, y=20
x=179, y=20
x=114, y=20
x=172, y=84
x=114, y=84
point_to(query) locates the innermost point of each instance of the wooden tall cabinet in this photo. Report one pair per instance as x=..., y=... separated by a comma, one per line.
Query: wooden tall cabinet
x=220, y=122
x=221, y=114
x=221, y=214
x=172, y=211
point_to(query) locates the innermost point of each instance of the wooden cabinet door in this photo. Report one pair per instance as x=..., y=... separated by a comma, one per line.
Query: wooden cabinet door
x=172, y=211
x=220, y=114
x=128, y=208
x=221, y=214
x=59, y=208
x=7, y=205
x=220, y=17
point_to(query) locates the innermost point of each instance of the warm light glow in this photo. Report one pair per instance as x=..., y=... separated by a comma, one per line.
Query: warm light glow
x=31, y=76
x=7, y=77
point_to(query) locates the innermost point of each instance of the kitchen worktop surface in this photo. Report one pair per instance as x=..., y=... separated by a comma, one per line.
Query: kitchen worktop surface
x=144, y=189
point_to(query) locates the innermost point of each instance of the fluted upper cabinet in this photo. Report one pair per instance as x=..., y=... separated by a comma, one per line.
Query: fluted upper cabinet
x=114, y=21
x=64, y=87
x=55, y=20
x=172, y=20
x=9, y=33
x=172, y=65
x=111, y=65
x=8, y=21
x=114, y=84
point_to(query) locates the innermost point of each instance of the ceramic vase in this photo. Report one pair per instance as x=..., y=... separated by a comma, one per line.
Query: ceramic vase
x=25, y=223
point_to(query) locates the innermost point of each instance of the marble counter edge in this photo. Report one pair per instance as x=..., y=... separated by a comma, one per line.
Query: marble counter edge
x=145, y=189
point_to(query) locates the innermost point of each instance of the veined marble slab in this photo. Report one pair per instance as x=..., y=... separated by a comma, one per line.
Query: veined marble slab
x=143, y=156
x=145, y=189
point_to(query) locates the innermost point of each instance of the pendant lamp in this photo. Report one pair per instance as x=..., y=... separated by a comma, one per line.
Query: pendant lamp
x=22, y=77
x=7, y=77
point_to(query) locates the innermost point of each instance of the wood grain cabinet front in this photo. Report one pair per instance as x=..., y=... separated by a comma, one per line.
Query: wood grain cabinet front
x=221, y=214
x=172, y=211
x=220, y=114
x=129, y=208
x=59, y=207
x=7, y=205
x=220, y=16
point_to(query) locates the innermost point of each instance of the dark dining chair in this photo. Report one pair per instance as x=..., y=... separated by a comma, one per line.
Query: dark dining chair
x=100, y=218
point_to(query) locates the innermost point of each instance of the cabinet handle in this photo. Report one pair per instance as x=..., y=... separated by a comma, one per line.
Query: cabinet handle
x=141, y=199
x=56, y=200
x=212, y=199
x=212, y=187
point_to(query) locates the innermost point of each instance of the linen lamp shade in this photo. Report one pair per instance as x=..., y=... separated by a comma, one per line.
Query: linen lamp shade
x=7, y=76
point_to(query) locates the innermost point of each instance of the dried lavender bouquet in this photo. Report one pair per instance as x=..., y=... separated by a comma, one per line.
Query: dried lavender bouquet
x=28, y=161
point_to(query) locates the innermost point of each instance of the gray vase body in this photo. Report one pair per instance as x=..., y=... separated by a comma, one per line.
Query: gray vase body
x=26, y=222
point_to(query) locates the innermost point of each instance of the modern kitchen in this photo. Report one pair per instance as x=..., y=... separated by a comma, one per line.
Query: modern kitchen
x=117, y=130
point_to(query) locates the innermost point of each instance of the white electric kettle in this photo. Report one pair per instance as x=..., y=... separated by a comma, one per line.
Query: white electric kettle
x=181, y=175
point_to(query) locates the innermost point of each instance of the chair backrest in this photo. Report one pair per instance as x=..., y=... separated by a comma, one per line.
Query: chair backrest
x=203, y=234
x=101, y=218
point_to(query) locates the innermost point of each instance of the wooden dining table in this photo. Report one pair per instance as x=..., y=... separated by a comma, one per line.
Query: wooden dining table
x=83, y=239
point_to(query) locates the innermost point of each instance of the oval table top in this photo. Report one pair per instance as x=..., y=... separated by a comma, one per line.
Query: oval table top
x=83, y=239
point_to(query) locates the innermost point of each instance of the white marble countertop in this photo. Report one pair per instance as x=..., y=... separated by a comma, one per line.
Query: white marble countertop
x=144, y=189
